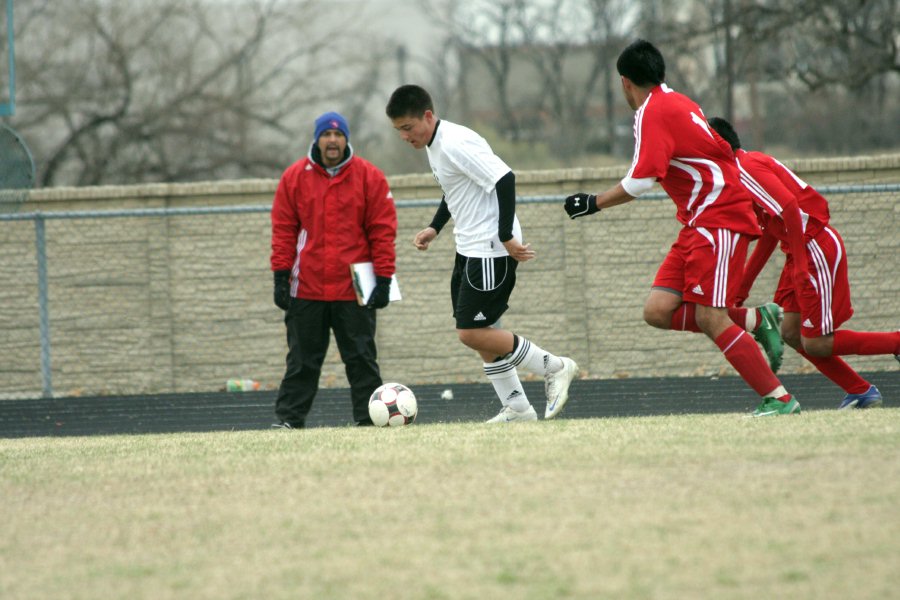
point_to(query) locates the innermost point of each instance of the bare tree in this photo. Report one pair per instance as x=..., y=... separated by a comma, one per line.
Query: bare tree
x=765, y=56
x=181, y=90
x=540, y=70
x=486, y=31
x=830, y=42
x=176, y=90
x=573, y=46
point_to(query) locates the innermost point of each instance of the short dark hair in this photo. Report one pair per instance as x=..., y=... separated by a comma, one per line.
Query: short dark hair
x=409, y=101
x=642, y=63
x=724, y=129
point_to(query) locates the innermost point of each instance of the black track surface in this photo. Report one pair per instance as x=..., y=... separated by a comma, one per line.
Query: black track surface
x=221, y=411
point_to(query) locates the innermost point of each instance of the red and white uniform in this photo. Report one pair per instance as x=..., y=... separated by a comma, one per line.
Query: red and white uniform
x=773, y=186
x=675, y=146
x=322, y=224
x=823, y=304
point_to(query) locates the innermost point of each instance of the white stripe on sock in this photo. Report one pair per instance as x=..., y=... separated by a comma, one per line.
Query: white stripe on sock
x=505, y=379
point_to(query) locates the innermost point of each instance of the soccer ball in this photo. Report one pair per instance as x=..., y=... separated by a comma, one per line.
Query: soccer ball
x=393, y=405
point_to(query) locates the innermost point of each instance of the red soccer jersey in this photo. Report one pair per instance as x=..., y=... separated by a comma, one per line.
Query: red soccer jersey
x=773, y=185
x=675, y=145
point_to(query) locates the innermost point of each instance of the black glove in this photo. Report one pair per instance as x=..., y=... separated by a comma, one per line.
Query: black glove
x=381, y=295
x=580, y=204
x=283, y=289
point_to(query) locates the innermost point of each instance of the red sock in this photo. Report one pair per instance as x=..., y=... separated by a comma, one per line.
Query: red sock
x=683, y=319
x=859, y=342
x=739, y=317
x=742, y=352
x=835, y=369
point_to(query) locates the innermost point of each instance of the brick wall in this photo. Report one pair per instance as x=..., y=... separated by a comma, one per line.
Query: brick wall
x=147, y=305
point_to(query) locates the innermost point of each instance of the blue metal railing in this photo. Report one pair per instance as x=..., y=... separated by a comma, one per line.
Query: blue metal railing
x=9, y=108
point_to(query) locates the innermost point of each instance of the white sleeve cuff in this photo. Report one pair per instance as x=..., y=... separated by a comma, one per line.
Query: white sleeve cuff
x=636, y=187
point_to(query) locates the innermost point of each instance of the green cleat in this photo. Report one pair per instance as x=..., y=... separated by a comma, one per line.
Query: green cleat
x=768, y=333
x=773, y=406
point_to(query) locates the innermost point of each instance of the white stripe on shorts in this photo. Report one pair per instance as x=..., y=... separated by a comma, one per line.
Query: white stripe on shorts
x=825, y=276
x=723, y=253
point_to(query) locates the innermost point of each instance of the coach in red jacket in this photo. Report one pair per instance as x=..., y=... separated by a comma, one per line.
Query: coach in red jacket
x=331, y=209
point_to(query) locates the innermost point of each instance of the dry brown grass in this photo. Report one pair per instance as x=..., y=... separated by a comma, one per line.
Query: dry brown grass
x=716, y=506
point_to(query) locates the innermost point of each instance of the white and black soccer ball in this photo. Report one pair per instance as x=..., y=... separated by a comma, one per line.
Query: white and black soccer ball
x=393, y=405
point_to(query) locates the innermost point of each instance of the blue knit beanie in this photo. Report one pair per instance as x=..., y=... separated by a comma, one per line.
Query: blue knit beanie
x=331, y=120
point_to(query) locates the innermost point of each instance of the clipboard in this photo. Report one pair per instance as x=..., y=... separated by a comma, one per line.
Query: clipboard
x=363, y=275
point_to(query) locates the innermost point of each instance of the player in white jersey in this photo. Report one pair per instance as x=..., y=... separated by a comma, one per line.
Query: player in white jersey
x=480, y=196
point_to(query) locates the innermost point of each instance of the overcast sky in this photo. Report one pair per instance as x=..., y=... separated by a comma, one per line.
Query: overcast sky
x=404, y=21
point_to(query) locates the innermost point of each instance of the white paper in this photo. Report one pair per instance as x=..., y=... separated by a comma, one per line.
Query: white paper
x=364, y=282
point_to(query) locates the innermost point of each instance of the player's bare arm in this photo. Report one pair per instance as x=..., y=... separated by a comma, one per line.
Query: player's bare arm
x=613, y=197
x=520, y=252
x=424, y=238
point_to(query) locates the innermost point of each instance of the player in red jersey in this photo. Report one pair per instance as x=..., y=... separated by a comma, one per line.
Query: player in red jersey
x=699, y=279
x=816, y=307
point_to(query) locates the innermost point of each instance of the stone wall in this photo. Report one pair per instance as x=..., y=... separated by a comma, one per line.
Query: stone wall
x=182, y=303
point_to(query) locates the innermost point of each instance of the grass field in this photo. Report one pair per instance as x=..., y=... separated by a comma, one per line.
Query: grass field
x=701, y=506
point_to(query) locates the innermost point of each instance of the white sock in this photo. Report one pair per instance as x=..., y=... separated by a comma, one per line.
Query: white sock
x=529, y=356
x=750, y=320
x=506, y=383
x=777, y=392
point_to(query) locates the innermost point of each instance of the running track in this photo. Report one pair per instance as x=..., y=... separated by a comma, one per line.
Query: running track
x=221, y=411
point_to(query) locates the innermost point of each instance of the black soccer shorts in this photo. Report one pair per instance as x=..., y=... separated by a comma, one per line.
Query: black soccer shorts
x=480, y=289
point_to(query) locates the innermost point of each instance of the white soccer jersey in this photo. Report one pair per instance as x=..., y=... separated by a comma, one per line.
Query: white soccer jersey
x=467, y=170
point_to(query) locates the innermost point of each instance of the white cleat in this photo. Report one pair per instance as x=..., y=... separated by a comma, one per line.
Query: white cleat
x=556, y=387
x=508, y=415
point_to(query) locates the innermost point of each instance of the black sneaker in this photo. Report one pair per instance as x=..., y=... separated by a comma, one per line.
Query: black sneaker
x=367, y=422
x=285, y=425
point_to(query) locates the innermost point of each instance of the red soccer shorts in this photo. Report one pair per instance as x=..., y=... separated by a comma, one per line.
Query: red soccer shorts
x=705, y=266
x=824, y=303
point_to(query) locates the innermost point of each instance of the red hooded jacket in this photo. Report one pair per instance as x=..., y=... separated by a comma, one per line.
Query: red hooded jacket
x=322, y=224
